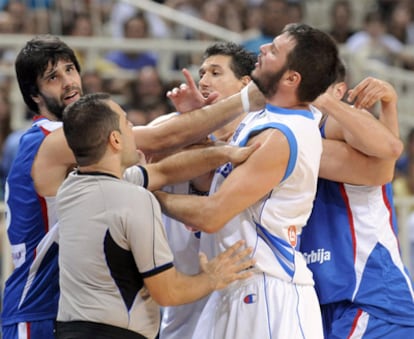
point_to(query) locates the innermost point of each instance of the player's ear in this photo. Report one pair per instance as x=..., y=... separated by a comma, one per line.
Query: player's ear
x=36, y=99
x=245, y=80
x=340, y=90
x=294, y=77
x=115, y=139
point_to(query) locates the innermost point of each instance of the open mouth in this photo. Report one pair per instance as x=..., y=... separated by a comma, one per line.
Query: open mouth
x=72, y=96
x=205, y=94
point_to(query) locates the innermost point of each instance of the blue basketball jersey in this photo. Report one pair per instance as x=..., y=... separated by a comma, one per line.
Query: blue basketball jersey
x=351, y=245
x=32, y=291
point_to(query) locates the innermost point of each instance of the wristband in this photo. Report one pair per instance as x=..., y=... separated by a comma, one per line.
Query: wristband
x=244, y=94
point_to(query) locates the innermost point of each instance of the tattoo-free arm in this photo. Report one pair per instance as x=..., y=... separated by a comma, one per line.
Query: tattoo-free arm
x=192, y=163
x=360, y=129
x=264, y=168
x=171, y=287
x=342, y=163
x=53, y=161
x=376, y=144
x=188, y=128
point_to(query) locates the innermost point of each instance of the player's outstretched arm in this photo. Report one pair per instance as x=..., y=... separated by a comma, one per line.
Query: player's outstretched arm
x=171, y=287
x=192, y=163
x=185, y=129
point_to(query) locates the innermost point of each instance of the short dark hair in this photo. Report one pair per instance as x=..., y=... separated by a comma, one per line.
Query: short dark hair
x=340, y=71
x=315, y=56
x=242, y=61
x=87, y=124
x=33, y=60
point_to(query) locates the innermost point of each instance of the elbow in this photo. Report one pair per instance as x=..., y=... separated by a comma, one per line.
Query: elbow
x=208, y=216
x=210, y=223
x=393, y=151
x=380, y=178
x=397, y=149
x=210, y=228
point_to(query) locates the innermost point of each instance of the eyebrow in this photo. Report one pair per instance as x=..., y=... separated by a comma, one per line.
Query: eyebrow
x=54, y=70
x=210, y=66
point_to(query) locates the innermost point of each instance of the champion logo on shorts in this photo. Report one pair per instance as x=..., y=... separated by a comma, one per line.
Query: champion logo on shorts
x=250, y=299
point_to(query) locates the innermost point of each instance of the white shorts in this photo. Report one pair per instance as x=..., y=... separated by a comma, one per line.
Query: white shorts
x=261, y=307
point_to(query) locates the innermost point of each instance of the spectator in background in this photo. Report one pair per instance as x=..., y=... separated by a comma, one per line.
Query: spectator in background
x=5, y=131
x=92, y=82
x=7, y=55
x=134, y=28
x=341, y=21
x=137, y=115
x=122, y=11
x=146, y=87
x=385, y=7
x=233, y=12
x=8, y=153
x=5, y=117
x=19, y=12
x=252, y=20
x=373, y=42
x=403, y=187
x=401, y=26
x=82, y=26
x=295, y=11
x=142, y=114
x=403, y=161
x=274, y=19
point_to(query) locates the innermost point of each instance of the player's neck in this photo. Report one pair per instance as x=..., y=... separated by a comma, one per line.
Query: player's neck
x=102, y=167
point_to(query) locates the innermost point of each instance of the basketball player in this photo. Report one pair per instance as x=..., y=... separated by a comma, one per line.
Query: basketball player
x=268, y=198
x=351, y=238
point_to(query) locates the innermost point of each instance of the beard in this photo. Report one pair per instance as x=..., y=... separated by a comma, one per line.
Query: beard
x=269, y=83
x=55, y=106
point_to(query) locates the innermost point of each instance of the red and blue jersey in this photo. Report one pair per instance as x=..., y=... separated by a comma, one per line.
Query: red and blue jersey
x=351, y=245
x=32, y=290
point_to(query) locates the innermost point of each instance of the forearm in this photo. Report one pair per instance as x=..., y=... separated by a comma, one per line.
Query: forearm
x=182, y=289
x=199, y=212
x=363, y=131
x=188, y=128
x=187, y=164
x=196, y=162
x=389, y=118
x=185, y=129
x=342, y=163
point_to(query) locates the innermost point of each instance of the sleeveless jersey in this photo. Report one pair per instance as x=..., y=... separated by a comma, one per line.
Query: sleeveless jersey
x=32, y=291
x=272, y=226
x=351, y=245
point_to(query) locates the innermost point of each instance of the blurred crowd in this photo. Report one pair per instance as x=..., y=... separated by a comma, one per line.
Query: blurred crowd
x=382, y=33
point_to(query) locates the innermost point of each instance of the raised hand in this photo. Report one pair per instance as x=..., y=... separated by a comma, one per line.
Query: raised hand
x=187, y=97
x=371, y=90
x=228, y=266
